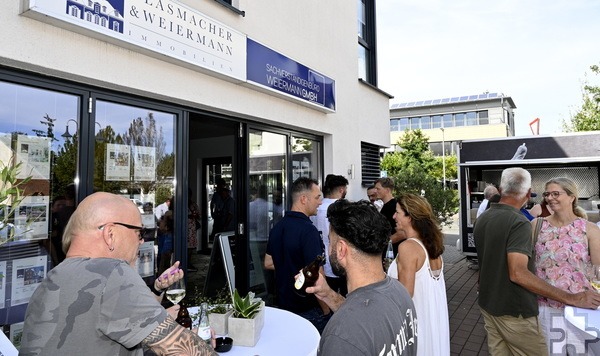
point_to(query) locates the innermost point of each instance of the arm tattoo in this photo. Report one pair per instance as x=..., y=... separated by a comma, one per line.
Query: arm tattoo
x=170, y=338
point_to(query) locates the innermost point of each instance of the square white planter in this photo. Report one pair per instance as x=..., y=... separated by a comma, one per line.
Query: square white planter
x=219, y=322
x=246, y=332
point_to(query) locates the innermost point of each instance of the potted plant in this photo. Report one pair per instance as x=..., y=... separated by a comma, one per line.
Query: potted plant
x=247, y=320
x=219, y=309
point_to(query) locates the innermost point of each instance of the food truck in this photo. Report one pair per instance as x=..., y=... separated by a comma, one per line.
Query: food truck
x=481, y=162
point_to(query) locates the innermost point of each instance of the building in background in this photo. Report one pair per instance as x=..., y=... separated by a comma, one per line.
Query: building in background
x=450, y=120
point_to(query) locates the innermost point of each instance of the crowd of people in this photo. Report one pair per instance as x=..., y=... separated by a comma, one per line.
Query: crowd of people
x=529, y=271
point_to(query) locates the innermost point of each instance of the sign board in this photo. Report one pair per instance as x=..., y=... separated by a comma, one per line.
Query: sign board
x=274, y=71
x=165, y=27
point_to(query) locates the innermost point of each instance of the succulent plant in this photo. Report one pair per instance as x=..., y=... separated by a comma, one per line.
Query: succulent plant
x=245, y=308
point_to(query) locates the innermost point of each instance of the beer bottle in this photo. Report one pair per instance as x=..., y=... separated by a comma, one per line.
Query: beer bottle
x=183, y=317
x=308, y=276
x=204, y=327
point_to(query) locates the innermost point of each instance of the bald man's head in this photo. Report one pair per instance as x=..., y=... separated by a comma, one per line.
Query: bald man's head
x=95, y=210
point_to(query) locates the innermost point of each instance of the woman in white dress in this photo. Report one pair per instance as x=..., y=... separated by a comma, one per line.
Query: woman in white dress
x=420, y=268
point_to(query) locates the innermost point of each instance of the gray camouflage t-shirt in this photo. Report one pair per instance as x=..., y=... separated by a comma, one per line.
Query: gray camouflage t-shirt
x=378, y=319
x=98, y=306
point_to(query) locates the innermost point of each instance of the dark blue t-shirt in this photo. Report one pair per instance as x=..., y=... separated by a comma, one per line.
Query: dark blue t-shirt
x=294, y=242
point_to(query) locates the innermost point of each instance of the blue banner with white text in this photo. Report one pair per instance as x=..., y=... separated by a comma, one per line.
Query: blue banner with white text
x=278, y=72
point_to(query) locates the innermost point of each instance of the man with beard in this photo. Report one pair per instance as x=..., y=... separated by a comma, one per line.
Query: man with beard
x=378, y=315
x=335, y=188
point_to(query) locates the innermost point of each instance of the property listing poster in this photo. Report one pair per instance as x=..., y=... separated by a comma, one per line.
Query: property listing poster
x=27, y=275
x=144, y=163
x=34, y=153
x=145, y=260
x=2, y=283
x=31, y=218
x=118, y=162
x=16, y=331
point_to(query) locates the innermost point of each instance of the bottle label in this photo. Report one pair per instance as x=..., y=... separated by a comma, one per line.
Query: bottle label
x=204, y=332
x=300, y=281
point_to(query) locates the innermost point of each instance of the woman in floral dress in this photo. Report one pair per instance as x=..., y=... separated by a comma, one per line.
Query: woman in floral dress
x=565, y=249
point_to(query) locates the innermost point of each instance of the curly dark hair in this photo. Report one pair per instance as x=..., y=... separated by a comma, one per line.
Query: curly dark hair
x=360, y=224
x=424, y=222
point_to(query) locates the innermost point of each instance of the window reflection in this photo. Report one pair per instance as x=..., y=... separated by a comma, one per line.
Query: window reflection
x=134, y=157
x=31, y=120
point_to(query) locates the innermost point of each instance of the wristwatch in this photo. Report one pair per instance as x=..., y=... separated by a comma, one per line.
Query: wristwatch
x=155, y=291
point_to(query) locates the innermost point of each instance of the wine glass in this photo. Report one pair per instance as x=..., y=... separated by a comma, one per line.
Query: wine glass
x=595, y=280
x=176, y=291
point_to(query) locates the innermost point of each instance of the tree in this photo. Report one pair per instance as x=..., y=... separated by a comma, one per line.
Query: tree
x=588, y=118
x=416, y=170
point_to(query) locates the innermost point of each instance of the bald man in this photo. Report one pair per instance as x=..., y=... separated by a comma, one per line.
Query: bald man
x=95, y=302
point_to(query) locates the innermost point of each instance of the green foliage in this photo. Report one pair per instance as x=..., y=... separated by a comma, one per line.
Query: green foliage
x=417, y=180
x=417, y=170
x=588, y=117
x=11, y=195
x=245, y=308
x=220, y=304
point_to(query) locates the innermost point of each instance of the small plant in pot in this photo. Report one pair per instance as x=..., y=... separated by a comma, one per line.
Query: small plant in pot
x=219, y=311
x=247, y=320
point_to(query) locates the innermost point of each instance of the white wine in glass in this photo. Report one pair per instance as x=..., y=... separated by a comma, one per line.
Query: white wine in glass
x=596, y=278
x=176, y=291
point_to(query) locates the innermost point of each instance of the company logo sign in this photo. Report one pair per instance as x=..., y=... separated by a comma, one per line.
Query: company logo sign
x=277, y=72
x=165, y=27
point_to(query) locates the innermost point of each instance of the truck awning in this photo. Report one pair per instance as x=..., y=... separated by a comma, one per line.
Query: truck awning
x=527, y=162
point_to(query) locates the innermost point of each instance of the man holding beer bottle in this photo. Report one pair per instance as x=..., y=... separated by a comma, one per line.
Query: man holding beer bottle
x=378, y=316
x=294, y=242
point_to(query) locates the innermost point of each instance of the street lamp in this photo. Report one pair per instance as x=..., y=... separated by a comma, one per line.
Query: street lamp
x=67, y=134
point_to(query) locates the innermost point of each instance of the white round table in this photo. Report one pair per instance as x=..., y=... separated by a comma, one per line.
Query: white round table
x=284, y=333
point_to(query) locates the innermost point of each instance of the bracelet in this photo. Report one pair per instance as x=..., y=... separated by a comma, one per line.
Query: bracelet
x=155, y=291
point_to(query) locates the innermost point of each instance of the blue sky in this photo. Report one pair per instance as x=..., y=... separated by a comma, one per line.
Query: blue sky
x=537, y=52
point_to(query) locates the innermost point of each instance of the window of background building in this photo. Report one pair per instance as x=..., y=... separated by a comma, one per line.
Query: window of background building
x=404, y=124
x=425, y=122
x=436, y=121
x=448, y=120
x=471, y=118
x=394, y=124
x=483, y=117
x=415, y=123
x=31, y=123
x=459, y=119
x=367, y=63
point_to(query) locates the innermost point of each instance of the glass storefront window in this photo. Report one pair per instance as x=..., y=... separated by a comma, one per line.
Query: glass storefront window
x=135, y=158
x=305, y=158
x=31, y=120
x=267, y=201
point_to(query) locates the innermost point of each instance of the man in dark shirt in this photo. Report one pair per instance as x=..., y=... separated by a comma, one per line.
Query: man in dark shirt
x=385, y=191
x=294, y=242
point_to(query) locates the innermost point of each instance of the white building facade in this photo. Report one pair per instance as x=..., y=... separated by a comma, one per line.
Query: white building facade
x=161, y=98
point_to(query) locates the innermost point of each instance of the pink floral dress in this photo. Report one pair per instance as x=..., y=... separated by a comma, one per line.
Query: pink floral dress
x=562, y=258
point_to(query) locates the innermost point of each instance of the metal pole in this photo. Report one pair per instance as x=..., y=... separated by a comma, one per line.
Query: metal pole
x=443, y=155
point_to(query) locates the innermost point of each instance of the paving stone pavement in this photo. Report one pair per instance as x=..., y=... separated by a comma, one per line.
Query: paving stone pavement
x=467, y=332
